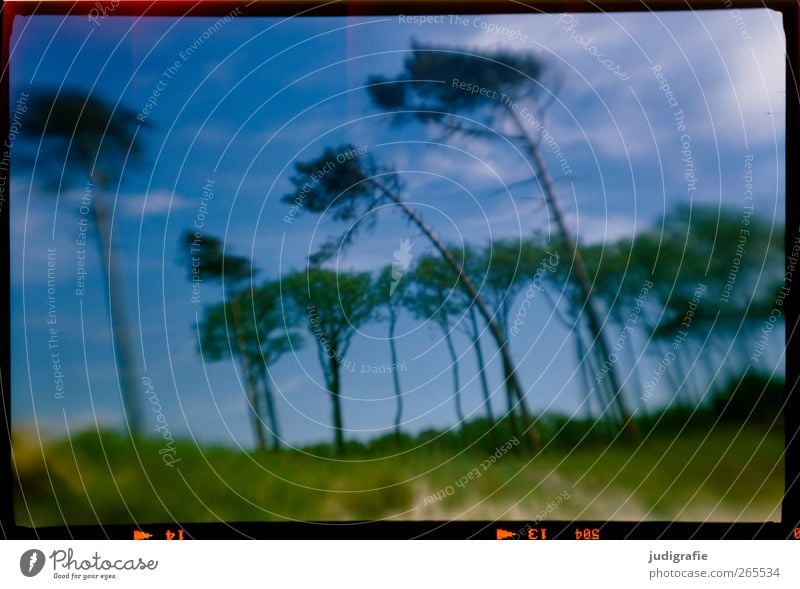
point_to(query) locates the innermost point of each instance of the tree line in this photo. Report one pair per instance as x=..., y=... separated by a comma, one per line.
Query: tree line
x=644, y=309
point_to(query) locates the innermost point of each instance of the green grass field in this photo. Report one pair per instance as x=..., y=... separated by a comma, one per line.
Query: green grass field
x=720, y=474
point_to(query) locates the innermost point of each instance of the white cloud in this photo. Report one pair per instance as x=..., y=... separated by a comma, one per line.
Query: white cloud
x=708, y=61
x=156, y=203
x=753, y=100
x=592, y=228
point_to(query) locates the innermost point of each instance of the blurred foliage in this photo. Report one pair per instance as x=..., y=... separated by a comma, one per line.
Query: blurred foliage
x=72, y=137
x=753, y=399
x=425, y=89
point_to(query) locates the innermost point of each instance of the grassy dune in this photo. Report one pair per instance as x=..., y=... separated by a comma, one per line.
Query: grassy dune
x=716, y=475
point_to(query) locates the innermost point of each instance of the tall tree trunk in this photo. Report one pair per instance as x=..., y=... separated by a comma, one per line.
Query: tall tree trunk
x=509, y=371
x=586, y=373
x=251, y=387
x=605, y=388
x=684, y=384
x=272, y=413
x=605, y=393
x=335, y=390
x=699, y=357
x=476, y=342
x=456, y=378
x=592, y=314
x=711, y=361
x=606, y=422
x=662, y=350
x=398, y=418
x=637, y=375
x=250, y=384
x=121, y=334
x=511, y=414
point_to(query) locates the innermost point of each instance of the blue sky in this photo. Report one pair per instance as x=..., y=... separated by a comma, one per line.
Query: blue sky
x=258, y=94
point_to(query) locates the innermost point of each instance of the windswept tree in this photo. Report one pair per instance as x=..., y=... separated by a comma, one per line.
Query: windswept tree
x=668, y=283
x=471, y=326
x=507, y=267
x=501, y=270
x=433, y=299
x=208, y=259
x=351, y=187
x=392, y=296
x=618, y=281
x=735, y=259
x=431, y=89
x=70, y=138
x=622, y=282
x=596, y=363
x=510, y=266
x=261, y=334
x=335, y=305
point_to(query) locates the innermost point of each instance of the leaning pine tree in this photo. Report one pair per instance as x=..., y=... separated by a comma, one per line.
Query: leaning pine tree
x=335, y=305
x=430, y=90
